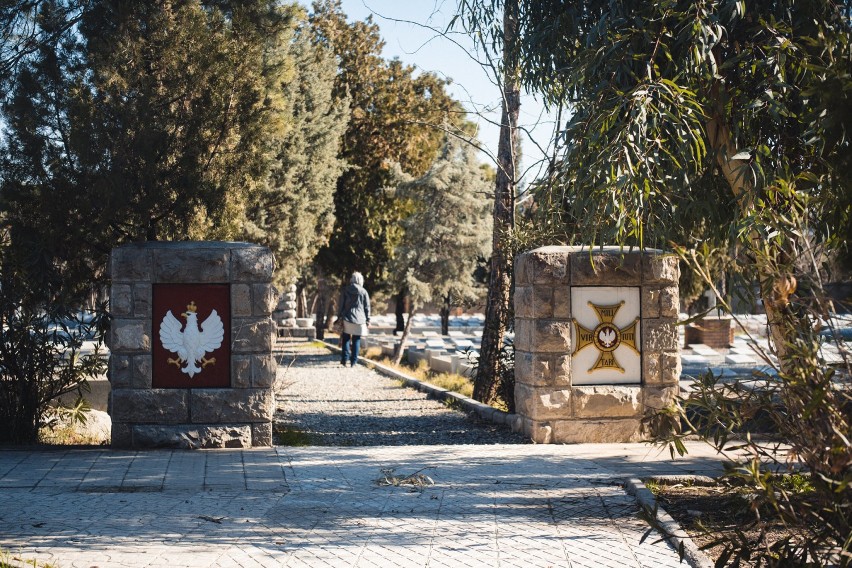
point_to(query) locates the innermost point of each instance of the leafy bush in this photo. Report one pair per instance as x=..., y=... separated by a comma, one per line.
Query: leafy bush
x=796, y=417
x=40, y=359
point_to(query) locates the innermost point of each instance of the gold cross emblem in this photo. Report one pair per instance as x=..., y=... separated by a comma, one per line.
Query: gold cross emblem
x=606, y=336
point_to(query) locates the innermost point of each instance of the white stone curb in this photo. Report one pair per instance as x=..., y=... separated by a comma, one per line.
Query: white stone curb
x=676, y=535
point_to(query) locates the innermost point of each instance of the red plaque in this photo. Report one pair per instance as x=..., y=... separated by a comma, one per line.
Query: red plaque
x=191, y=330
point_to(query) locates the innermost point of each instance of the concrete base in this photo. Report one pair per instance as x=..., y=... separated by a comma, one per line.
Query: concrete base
x=308, y=332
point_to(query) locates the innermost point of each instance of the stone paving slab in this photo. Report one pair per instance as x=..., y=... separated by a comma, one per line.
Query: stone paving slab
x=498, y=505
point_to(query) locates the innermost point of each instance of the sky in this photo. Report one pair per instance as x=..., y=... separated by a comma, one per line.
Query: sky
x=410, y=31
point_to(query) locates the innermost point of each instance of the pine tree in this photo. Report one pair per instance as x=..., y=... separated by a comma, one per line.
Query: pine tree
x=448, y=233
x=145, y=121
x=293, y=213
x=395, y=119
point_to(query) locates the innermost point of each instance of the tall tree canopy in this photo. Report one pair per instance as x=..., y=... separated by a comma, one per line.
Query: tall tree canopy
x=685, y=111
x=448, y=233
x=146, y=121
x=668, y=95
x=293, y=213
x=395, y=119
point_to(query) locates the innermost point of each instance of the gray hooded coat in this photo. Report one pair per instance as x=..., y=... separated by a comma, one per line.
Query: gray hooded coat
x=354, y=305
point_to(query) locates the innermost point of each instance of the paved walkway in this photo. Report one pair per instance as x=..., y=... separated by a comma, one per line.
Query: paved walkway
x=329, y=405
x=482, y=505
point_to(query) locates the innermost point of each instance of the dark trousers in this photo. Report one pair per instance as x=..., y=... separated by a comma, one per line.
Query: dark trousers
x=351, y=356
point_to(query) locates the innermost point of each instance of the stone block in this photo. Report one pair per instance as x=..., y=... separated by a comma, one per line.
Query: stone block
x=611, y=267
x=240, y=300
x=231, y=405
x=121, y=435
x=192, y=264
x=669, y=302
x=121, y=300
x=670, y=368
x=142, y=300
x=523, y=334
x=660, y=269
x=252, y=264
x=597, y=431
x=545, y=265
x=540, y=370
x=119, y=371
x=658, y=398
x=659, y=335
x=523, y=302
x=542, y=403
x=191, y=437
x=609, y=401
x=241, y=371
x=252, y=335
x=542, y=302
x=561, y=373
x=515, y=422
x=651, y=302
x=154, y=406
x=651, y=371
x=538, y=432
x=531, y=369
x=550, y=336
x=141, y=371
x=265, y=298
x=263, y=371
x=130, y=336
x=261, y=434
x=562, y=302
x=130, y=263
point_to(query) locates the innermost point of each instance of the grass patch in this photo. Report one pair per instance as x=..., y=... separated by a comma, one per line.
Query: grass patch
x=68, y=435
x=7, y=560
x=450, y=381
x=374, y=353
x=286, y=436
x=453, y=382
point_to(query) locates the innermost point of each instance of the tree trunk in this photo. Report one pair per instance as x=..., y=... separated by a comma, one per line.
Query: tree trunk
x=445, y=316
x=775, y=288
x=500, y=284
x=331, y=311
x=319, y=314
x=399, y=350
x=301, y=299
x=400, y=309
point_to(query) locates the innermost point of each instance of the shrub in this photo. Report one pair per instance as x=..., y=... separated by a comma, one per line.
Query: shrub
x=796, y=417
x=40, y=360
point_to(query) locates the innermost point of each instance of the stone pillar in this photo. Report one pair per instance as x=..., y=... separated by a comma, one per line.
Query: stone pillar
x=167, y=298
x=596, y=346
x=285, y=313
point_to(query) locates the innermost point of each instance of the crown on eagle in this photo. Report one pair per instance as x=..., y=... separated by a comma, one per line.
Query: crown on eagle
x=191, y=307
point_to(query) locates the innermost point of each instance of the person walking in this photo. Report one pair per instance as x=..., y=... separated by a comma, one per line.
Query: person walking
x=354, y=312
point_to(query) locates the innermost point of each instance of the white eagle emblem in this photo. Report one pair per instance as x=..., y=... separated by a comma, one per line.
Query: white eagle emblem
x=607, y=337
x=191, y=344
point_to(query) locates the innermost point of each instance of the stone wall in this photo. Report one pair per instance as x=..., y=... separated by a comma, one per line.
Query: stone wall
x=238, y=415
x=560, y=401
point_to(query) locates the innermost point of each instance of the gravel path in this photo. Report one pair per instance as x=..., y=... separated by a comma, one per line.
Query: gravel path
x=321, y=403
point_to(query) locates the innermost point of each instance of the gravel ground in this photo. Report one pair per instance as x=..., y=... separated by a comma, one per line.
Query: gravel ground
x=321, y=403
